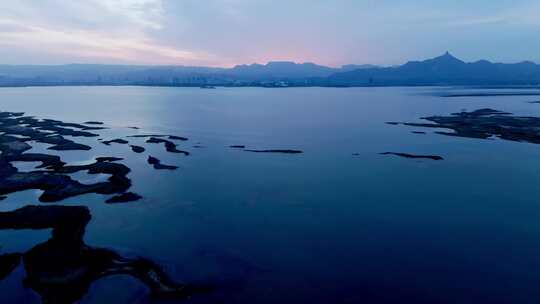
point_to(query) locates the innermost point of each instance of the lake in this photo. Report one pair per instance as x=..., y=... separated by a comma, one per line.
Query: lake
x=324, y=226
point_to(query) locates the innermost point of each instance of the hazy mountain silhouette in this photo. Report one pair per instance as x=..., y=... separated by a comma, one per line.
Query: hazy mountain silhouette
x=442, y=70
x=288, y=70
x=281, y=69
x=123, y=74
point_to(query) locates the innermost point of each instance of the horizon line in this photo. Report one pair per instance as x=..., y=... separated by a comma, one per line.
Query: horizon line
x=263, y=64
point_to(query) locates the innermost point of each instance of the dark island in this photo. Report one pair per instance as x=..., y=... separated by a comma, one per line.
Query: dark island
x=169, y=145
x=124, y=198
x=137, y=149
x=485, y=124
x=116, y=141
x=156, y=163
x=285, y=151
x=407, y=155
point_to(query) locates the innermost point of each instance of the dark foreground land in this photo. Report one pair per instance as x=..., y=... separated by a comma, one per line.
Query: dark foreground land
x=62, y=269
x=485, y=124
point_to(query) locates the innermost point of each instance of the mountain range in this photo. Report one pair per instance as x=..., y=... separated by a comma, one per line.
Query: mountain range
x=442, y=70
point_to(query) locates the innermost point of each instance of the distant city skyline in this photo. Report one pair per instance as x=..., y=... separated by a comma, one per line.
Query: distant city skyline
x=224, y=33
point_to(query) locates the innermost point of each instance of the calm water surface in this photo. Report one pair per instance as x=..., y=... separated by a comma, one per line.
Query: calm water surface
x=320, y=227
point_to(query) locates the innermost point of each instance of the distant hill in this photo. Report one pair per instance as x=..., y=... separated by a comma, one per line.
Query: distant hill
x=442, y=70
x=281, y=70
x=166, y=75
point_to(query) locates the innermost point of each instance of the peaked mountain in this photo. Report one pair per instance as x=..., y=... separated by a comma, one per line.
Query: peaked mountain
x=443, y=70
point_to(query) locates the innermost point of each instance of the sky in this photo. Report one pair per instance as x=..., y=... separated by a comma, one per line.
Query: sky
x=228, y=32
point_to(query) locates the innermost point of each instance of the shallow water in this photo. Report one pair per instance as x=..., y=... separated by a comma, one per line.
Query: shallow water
x=323, y=226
